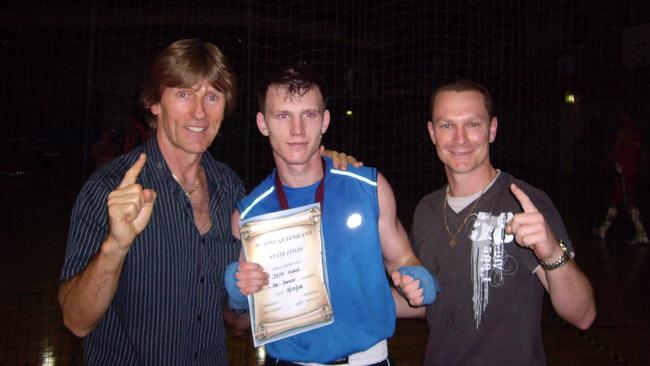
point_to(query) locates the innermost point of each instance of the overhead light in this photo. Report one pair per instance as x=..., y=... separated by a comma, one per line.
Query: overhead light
x=569, y=98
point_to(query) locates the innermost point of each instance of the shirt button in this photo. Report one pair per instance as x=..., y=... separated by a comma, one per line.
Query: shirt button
x=198, y=318
x=202, y=279
x=196, y=355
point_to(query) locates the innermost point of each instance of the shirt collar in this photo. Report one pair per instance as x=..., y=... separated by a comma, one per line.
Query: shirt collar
x=216, y=181
x=156, y=160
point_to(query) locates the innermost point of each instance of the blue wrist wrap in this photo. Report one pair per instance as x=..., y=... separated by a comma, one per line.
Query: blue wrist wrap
x=428, y=283
x=236, y=299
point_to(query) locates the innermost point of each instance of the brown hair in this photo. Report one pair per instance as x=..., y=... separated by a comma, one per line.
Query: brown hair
x=298, y=80
x=185, y=63
x=461, y=86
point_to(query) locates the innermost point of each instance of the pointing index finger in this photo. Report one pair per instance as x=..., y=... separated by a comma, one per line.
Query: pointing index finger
x=131, y=175
x=523, y=199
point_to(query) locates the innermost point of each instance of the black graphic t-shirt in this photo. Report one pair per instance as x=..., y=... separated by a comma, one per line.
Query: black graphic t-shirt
x=489, y=310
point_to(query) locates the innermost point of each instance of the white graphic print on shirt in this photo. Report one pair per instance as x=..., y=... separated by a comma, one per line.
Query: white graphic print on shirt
x=489, y=261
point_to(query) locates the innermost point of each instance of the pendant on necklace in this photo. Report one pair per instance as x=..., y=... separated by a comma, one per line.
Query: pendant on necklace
x=189, y=193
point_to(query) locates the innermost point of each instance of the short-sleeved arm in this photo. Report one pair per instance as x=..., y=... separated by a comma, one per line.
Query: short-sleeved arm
x=551, y=214
x=88, y=228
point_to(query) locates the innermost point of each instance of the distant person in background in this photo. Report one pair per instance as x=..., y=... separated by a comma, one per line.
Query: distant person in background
x=141, y=126
x=626, y=155
x=105, y=149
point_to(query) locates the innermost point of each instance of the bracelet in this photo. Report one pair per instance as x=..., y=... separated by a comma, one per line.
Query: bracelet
x=560, y=261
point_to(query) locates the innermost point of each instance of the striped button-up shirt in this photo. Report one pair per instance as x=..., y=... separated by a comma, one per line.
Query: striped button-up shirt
x=168, y=306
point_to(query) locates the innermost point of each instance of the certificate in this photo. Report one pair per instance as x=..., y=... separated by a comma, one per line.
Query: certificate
x=289, y=245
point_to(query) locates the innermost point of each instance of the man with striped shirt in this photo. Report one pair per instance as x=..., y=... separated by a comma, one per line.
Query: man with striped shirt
x=144, y=284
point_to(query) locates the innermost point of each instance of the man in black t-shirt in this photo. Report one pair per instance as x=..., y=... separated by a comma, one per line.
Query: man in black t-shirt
x=494, y=242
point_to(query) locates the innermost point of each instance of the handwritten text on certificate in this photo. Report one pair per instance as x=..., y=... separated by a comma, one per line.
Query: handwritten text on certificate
x=289, y=245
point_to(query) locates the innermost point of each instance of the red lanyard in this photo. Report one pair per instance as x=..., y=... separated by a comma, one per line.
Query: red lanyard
x=282, y=197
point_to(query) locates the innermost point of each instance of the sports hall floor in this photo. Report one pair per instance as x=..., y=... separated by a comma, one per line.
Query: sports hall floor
x=34, y=229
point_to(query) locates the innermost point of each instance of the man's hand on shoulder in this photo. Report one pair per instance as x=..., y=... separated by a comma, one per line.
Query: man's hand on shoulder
x=340, y=160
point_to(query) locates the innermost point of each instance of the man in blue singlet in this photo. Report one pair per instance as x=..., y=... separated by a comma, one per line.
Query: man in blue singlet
x=293, y=116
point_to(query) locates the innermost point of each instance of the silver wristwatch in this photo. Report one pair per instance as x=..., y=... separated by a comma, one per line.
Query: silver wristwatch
x=558, y=262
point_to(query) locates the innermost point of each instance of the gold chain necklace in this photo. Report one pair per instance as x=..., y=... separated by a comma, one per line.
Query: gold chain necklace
x=453, y=237
x=188, y=193
x=192, y=190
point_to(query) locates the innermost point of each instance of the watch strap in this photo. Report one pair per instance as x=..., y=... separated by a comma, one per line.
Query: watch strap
x=564, y=258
